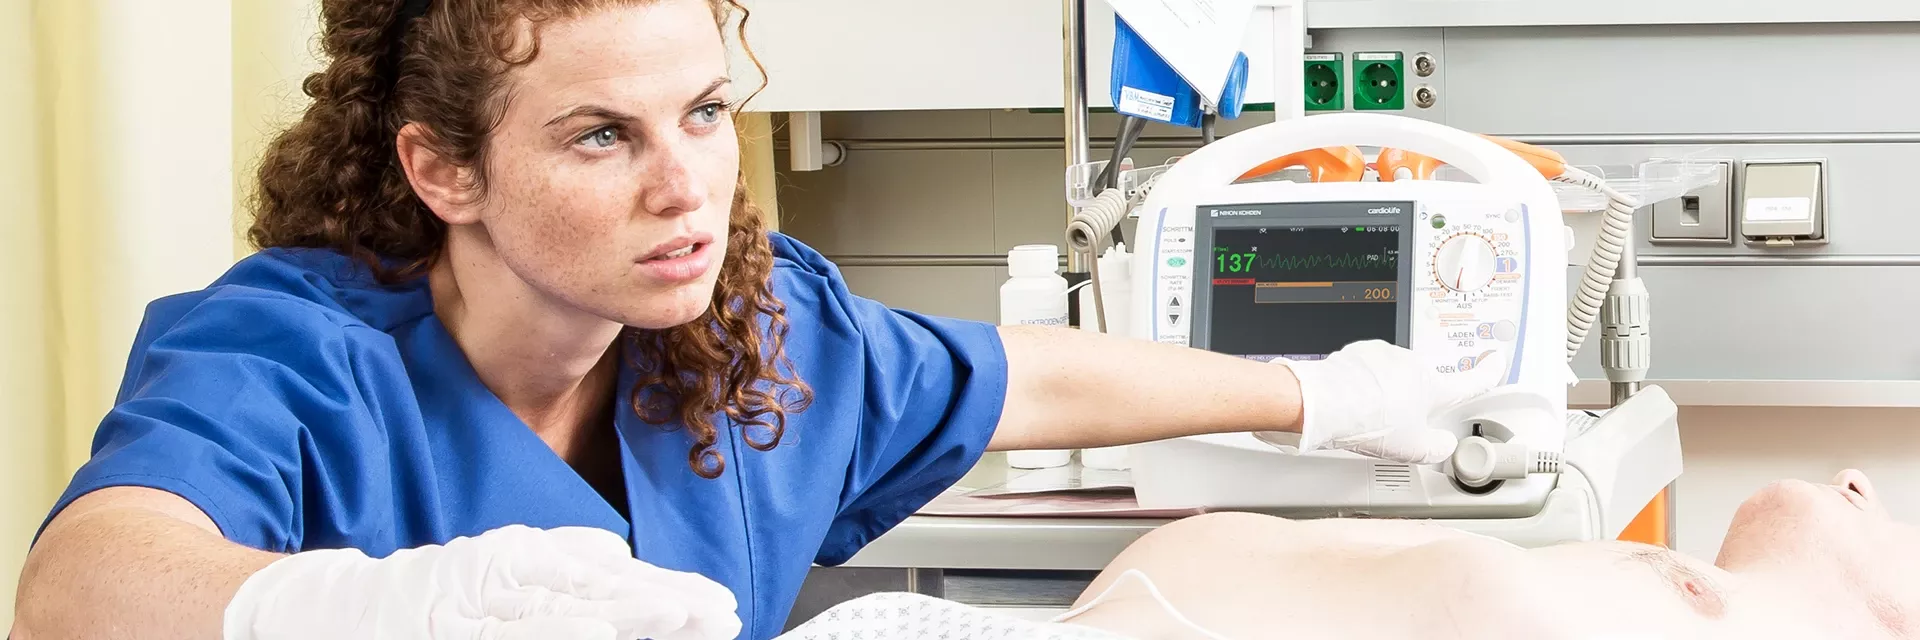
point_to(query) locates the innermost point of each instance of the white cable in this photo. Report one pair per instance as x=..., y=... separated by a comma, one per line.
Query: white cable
x=1599, y=520
x=1087, y=231
x=1152, y=591
x=1616, y=230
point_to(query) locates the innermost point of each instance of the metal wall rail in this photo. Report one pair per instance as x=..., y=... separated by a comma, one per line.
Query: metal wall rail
x=996, y=260
x=1171, y=142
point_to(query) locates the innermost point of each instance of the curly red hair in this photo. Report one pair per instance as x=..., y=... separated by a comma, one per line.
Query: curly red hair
x=333, y=180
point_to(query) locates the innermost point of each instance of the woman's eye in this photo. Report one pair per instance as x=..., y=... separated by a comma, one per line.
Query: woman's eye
x=601, y=138
x=708, y=114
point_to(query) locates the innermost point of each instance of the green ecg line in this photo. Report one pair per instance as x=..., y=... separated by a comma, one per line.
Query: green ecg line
x=1346, y=261
x=1242, y=261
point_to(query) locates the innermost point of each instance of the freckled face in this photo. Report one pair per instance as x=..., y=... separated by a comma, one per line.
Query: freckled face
x=612, y=172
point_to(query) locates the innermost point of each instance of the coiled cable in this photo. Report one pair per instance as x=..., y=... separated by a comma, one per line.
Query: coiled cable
x=1616, y=230
x=1087, y=232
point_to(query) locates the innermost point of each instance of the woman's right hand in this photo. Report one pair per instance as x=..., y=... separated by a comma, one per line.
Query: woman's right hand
x=512, y=583
x=1378, y=400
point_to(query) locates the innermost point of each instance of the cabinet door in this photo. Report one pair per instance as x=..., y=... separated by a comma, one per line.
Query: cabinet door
x=879, y=55
x=856, y=55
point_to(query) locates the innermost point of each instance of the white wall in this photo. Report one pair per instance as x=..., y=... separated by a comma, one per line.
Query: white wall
x=983, y=202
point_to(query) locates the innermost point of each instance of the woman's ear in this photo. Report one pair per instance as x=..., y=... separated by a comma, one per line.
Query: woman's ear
x=445, y=186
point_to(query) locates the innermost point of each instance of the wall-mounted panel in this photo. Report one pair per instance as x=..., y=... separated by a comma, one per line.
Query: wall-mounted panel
x=1749, y=79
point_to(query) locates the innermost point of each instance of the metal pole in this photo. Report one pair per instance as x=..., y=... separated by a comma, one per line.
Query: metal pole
x=1074, y=41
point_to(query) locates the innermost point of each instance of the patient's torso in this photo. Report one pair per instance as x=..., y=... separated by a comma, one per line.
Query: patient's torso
x=1257, y=577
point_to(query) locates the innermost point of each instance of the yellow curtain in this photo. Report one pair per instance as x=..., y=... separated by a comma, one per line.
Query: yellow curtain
x=756, y=162
x=129, y=130
x=117, y=152
x=29, y=396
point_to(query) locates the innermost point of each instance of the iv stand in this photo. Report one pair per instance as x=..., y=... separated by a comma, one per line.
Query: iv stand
x=1074, y=19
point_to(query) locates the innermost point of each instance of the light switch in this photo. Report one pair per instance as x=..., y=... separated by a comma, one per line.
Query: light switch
x=1702, y=216
x=1783, y=202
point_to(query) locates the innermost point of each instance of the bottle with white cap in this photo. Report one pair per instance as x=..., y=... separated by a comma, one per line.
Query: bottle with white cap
x=1035, y=294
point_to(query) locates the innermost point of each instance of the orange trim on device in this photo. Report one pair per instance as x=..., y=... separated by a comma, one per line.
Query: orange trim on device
x=1650, y=527
x=1418, y=166
x=1546, y=161
x=1330, y=164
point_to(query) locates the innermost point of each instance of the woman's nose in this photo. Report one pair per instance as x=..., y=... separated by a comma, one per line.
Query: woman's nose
x=672, y=184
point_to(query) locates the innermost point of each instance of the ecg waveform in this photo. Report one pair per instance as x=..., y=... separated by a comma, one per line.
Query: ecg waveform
x=1322, y=286
x=1229, y=261
x=1328, y=261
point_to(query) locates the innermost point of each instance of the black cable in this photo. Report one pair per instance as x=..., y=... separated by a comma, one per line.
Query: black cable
x=1130, y=130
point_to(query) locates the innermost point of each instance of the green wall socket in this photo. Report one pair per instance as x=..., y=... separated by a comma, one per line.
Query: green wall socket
x=1326, y=82
x=1379, y=81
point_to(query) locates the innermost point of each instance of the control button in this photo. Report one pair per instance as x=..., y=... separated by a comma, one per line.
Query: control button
x=1173, y=303
x=1469, y=363
x=1464, y=263
x=1506, y=331
x=1513, y=215
x=1173, y=318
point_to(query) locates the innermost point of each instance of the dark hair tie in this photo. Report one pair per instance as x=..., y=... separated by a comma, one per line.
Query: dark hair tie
x=410, y=10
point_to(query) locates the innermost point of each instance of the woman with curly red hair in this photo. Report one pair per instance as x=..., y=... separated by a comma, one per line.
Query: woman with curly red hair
x=518, y=359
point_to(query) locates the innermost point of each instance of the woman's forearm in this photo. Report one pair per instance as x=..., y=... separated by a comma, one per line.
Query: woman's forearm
x=1070, y=389
x=127, y=563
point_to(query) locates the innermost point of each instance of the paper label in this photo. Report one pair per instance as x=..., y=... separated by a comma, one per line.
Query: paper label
x=1145, y=104
x=1779, y=209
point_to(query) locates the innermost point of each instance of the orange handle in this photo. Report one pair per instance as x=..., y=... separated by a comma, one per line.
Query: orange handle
x=1418, y=167
x=1548, y=163
x=1330, y=164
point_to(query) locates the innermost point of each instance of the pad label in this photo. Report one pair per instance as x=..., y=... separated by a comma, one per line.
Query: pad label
x=1146, y=104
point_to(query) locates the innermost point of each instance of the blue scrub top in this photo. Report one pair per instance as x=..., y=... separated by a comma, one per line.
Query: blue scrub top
x=302, y=405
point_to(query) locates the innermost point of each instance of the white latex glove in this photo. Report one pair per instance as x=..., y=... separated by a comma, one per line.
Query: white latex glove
x=512, y=583
x=1377, y=399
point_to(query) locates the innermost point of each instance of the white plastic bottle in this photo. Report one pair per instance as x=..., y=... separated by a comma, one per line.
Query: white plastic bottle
x=1116, y=287
x=1035, y=294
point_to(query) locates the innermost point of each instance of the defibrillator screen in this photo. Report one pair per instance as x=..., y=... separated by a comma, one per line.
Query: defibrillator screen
x=1302, y=292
